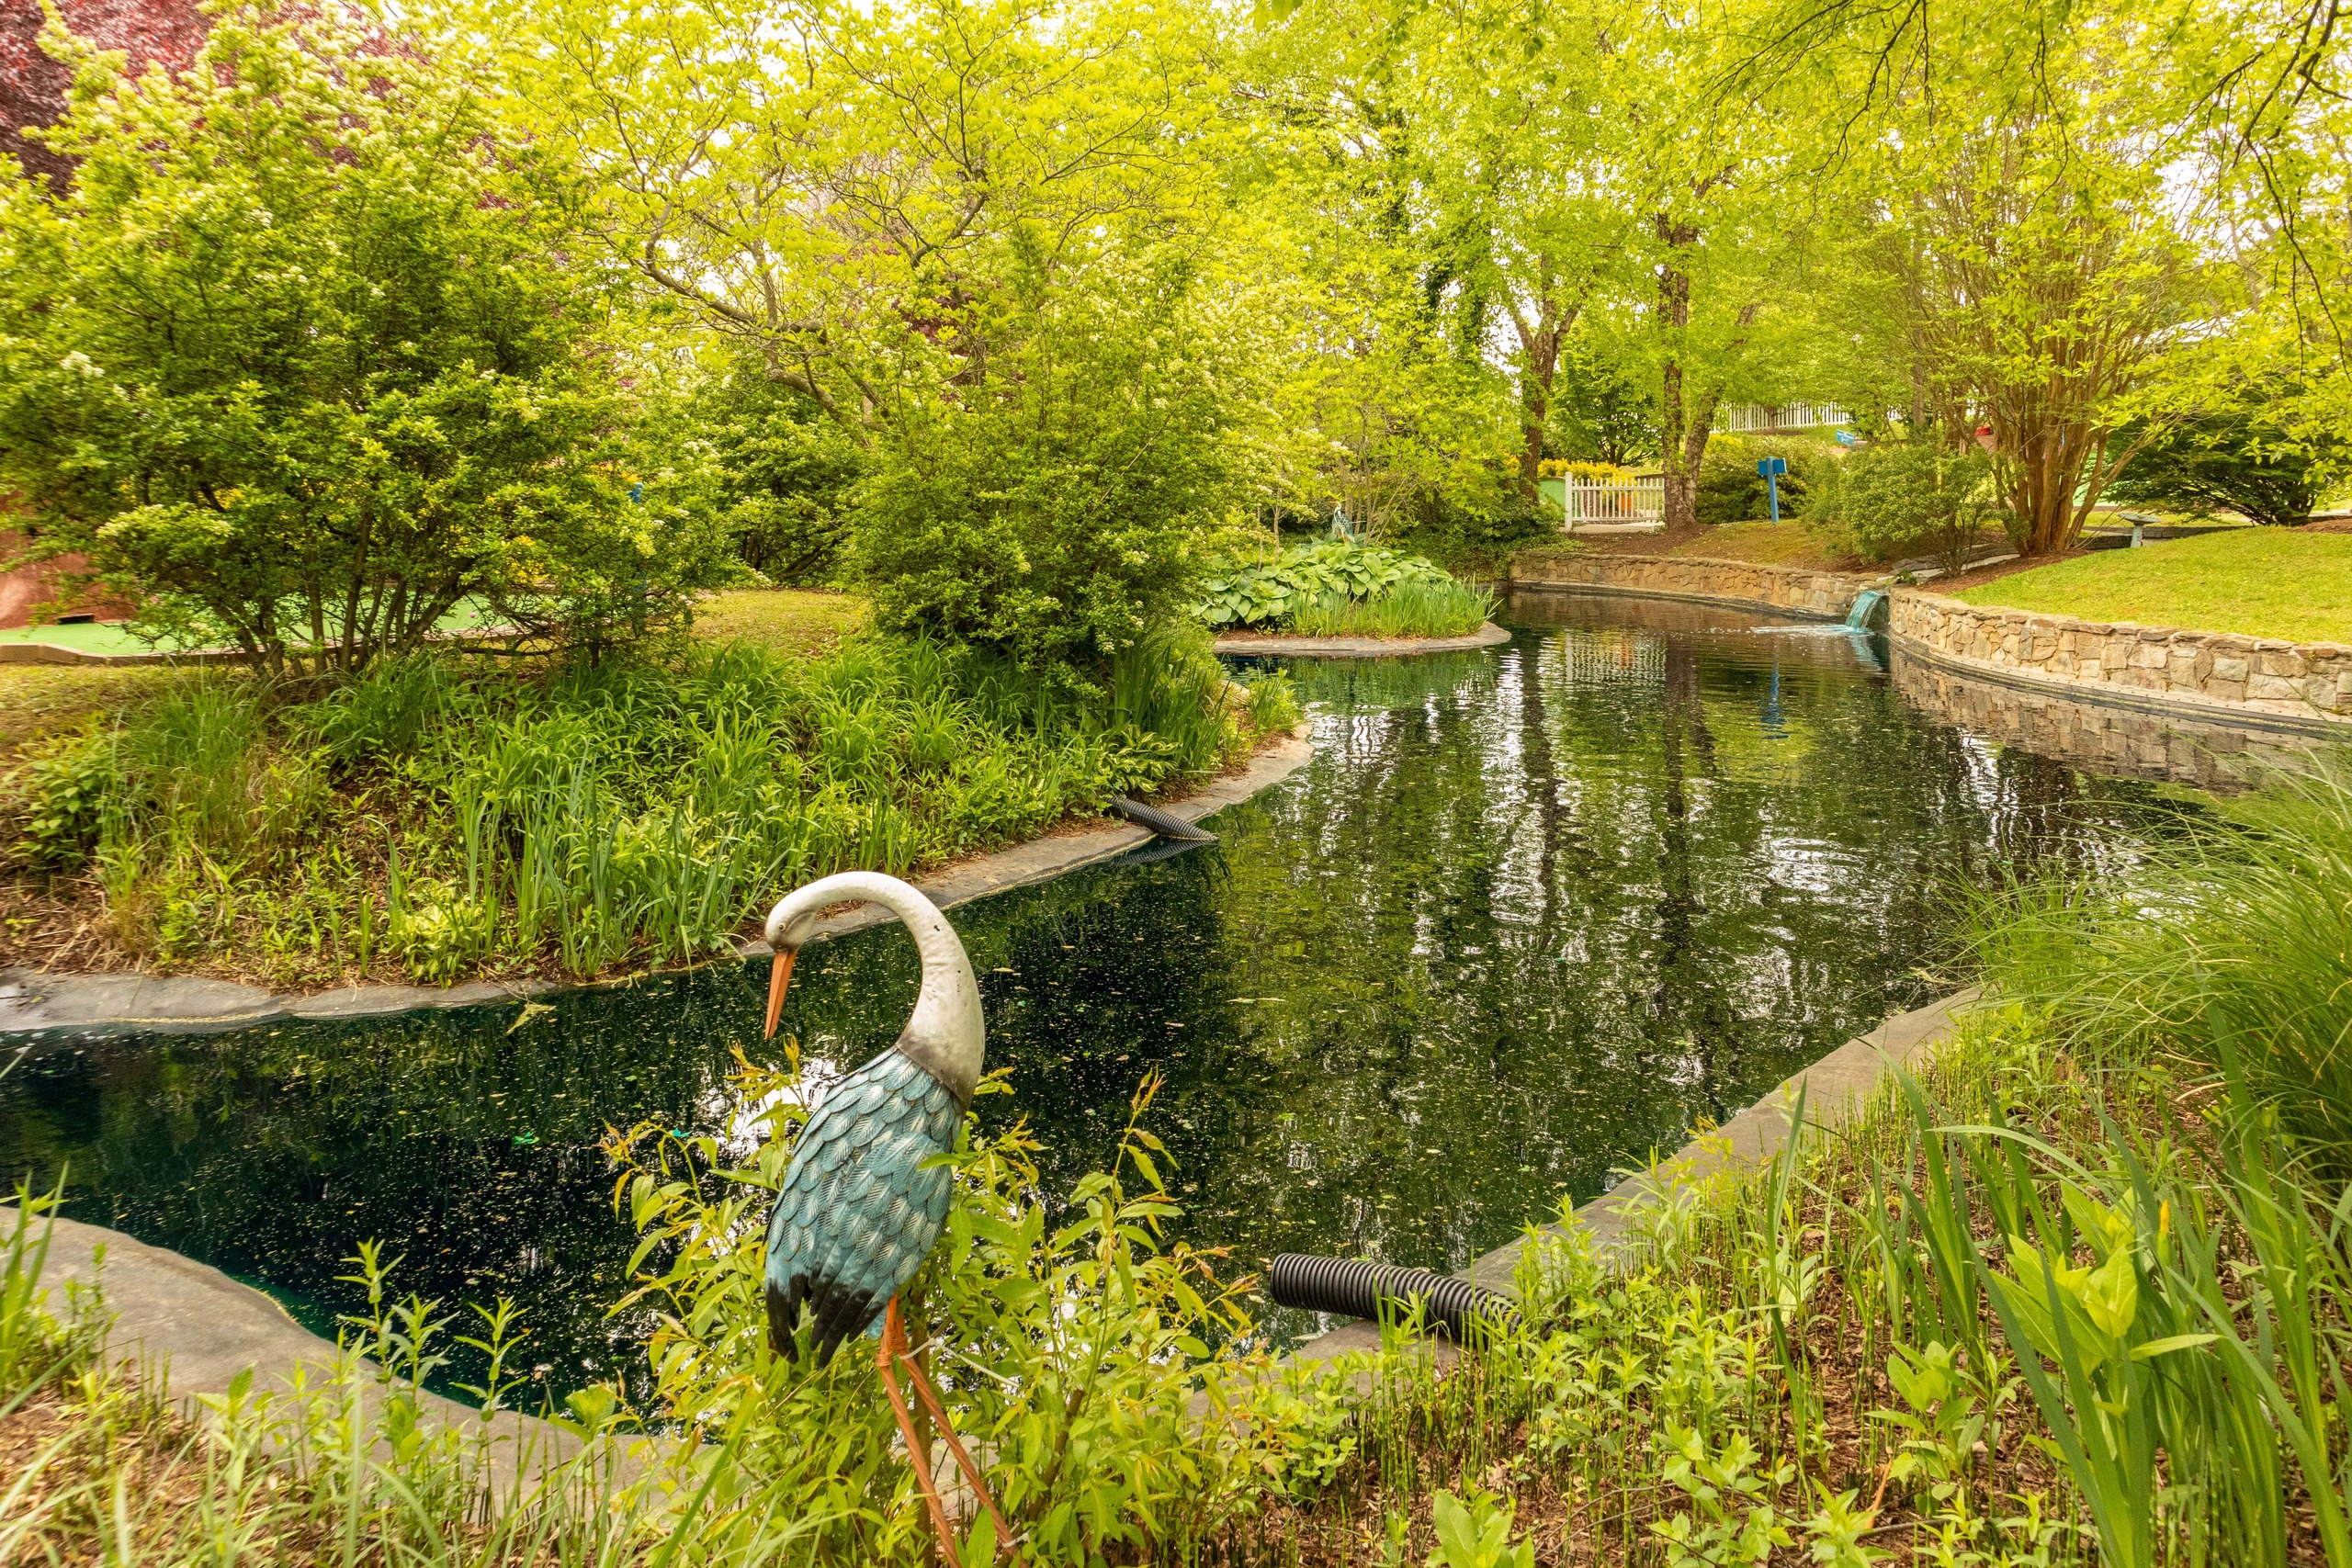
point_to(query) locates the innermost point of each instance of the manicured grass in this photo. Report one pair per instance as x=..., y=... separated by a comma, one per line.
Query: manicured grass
x=790, y=620
x=82, y=637
x=2257, y=581
x=1766, y=544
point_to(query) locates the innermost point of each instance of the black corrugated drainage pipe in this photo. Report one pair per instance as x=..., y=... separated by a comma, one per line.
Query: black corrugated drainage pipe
x=1159, y=821
x=1355, y=1288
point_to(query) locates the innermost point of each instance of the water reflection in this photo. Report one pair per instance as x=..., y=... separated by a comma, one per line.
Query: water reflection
x=1529, y=913
x=2122, y=741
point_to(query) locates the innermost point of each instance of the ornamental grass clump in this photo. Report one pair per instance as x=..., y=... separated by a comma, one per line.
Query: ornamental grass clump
x=2229, y=954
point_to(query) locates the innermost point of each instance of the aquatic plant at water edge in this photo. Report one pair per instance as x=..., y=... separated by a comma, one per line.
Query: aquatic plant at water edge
x=444, y=816
x=2229, y=952
x=1269, y=592
x=1406, y=609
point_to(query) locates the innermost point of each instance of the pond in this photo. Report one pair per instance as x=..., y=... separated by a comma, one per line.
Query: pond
x=1529, y=914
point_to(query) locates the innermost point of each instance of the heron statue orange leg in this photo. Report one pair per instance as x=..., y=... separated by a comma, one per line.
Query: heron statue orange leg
x=894, y=1350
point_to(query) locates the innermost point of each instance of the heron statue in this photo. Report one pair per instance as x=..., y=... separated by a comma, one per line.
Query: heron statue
x=862, y=1203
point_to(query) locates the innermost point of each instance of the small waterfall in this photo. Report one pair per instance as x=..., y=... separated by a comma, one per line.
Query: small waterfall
x=1866, y=606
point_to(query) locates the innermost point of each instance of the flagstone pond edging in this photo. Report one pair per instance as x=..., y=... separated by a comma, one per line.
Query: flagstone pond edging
x=2216, y=677
x=193, y=1331
x=32, y=1001
x=2209, y=678
x=1782, y=590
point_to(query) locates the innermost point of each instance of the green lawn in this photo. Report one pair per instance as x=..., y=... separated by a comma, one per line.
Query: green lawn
x=2257, y=581
x=82, y=637
x=793, y=620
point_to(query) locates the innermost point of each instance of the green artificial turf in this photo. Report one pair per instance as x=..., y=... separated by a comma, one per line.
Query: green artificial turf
x=2282, y=583
x=82, y=637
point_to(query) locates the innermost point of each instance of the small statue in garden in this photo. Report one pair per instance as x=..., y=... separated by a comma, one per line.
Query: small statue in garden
x=859, y=1207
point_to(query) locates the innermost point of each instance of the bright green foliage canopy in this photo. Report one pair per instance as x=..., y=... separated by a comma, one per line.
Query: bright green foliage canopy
x=309, y=355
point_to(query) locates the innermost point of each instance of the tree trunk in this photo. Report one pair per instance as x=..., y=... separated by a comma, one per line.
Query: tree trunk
x=1679, y=496
x=1539, y=357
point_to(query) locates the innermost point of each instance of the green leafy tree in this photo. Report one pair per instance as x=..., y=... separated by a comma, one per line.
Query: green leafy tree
x=2238, y=454
x=2022, y=201
x=1052, y=510
x=1601, y=413
x=304, y=357
x=788, y=476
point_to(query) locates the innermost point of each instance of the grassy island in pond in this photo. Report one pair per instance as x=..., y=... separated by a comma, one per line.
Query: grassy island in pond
x=2273, y=582
x=441, y=815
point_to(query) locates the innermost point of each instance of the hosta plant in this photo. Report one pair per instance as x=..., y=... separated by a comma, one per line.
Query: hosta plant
x=1264, y=593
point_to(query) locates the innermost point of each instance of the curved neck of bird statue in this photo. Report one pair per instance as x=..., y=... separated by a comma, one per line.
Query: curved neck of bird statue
x=944, y=1037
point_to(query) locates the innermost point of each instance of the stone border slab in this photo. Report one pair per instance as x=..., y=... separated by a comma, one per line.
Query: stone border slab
x=198, y=1329
x=1837, y=1087
x=1488, y=636
x=34, y=1002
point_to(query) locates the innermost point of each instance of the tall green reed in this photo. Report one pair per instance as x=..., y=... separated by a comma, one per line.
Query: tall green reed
x=2245, y=934
x=1409, y=608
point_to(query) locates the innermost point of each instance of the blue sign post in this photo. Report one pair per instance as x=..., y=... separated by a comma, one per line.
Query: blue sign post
x=1772, y=469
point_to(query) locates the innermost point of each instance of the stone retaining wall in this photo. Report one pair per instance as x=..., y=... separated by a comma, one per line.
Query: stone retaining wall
x=1820, y=595
x=2217, y=673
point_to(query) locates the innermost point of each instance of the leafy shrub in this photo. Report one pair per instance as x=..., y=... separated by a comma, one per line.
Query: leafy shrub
x=1481, y=538
x=1049, y=512
x=1731, y=491
x=2236, y=456
x=63, y=795
x=313, y=352
x=788, y=475
x=1896, y=498
x=1259, y=594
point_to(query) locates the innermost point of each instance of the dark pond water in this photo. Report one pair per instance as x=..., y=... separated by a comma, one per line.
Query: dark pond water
x=1529, y=913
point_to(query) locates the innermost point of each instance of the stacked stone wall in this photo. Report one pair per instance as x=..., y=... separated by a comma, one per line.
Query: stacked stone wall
x=2309, y=680
x=1824, y=595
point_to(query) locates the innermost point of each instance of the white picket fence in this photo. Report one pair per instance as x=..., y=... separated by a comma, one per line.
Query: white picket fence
x=1637, y=502
x=1743, y=417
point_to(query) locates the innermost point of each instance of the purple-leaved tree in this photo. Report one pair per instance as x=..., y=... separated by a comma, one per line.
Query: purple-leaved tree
x=33, y=85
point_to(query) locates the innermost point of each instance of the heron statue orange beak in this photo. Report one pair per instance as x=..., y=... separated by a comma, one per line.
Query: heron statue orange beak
x=779, y=976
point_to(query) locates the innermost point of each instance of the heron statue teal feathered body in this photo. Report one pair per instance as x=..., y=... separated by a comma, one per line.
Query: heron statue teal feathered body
x=862, y=1204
